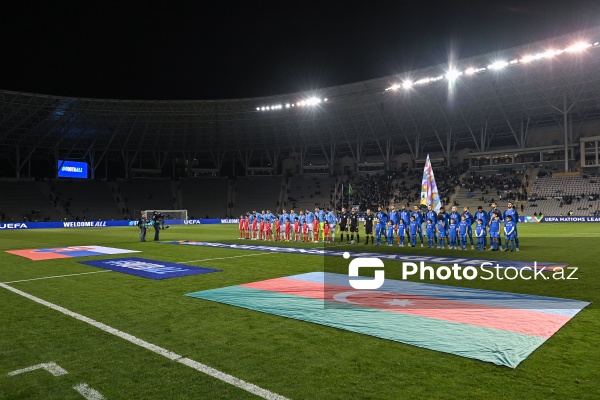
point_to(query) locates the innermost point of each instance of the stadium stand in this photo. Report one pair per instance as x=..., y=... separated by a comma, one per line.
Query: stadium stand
x=307, y=192
x=24, y=200
x=86, y=199
x=564, y=194
x=204, y=197
x=146, y=194
x=480, y=187
x=257, y=192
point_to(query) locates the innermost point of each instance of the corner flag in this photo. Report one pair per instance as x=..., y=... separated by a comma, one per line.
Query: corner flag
x=429, y=191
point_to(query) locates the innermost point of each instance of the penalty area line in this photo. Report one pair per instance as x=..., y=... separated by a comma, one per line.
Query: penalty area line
x=222, y=376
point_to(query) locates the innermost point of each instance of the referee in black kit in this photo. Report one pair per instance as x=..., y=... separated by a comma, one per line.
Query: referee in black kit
x=369, y=217
x=344, y=225
x=353, y=217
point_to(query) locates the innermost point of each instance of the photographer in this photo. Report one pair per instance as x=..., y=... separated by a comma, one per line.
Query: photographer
x=142, y=222
x=157, y=219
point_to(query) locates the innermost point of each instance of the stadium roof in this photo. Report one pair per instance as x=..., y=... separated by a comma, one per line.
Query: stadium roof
x=478, y=102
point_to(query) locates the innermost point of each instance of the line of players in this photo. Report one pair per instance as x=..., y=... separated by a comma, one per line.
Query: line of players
x=441, y=229
x=305, y=226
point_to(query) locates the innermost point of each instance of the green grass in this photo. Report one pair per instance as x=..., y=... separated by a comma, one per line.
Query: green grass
x=295, y=359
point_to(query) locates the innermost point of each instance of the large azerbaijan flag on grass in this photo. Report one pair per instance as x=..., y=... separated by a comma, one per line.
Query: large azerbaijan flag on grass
x=497, y=327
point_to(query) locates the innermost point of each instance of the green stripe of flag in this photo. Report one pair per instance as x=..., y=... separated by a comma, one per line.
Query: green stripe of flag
x=486, y=344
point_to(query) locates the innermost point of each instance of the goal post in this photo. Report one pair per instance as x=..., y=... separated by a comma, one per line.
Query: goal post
x=167, y=214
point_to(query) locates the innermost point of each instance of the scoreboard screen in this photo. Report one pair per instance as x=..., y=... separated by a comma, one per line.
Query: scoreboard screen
x=72, y=169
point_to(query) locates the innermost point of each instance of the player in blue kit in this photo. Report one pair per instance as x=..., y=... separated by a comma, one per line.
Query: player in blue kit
x=310, y=217
x=302, y=220
x=390, y=233
x=495, y=232
x=413, y=228
x=401, y=232
x=512, y=212
x=454, y=214
x=442, y=230
x=382, y=215
x=452, y=233
x=431, y=215
x=394, y=216
x=470, y=221
x=430, y=232
x=378, y=231
x=444, y=215
x=463, y=226
x=293, y=217
x=405, y=216
x=480, y=233
x=419, y=219
x=283, y=217
x=483, y=216
x=509, y=233
x=495, y=210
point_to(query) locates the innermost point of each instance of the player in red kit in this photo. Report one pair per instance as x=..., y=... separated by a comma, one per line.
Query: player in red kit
x=268, y=230
x=316, y=230
x=305, y=232
x=326, y=233
x=254, y=228
x=247, y=226
x=296, y=230
x=261, y=229
x=288, y=228
x=242, y=225
x=277, y=230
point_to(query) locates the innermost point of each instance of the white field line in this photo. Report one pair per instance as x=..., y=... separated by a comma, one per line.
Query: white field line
x=226, y=258
x=329, y=247
x=249, y=387
x=51, y=367
x=89, y=393
x=58, y=276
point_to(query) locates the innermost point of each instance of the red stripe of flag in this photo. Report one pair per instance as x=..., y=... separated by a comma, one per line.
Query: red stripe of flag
x=508, y=319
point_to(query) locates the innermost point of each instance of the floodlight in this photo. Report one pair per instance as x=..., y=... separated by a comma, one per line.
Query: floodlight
x=498, y=65
x=527, y=58
x=407, y=84
x=580, y=46
x=549, y=54
x=453, y=74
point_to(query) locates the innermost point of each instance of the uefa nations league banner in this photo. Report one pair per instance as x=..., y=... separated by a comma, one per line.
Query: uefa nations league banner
x=570, y=218
x=106, y=224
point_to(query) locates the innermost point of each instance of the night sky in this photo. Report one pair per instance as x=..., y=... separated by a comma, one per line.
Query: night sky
x=222, y=49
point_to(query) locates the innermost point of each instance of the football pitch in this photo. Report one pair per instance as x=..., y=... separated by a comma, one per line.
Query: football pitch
x=106, y=334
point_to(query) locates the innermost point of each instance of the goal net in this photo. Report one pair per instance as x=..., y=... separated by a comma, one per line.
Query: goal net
x=167, y=214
